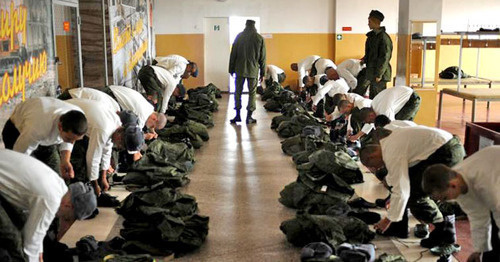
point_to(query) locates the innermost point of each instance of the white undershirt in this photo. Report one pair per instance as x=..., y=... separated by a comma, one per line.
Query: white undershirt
x=37, y=121
x=349, y=70
x=331, y=87
x=322, y=64
x=102, y=123
x=169, y=84
x=96, y=95
x=402, y=149
x=272, y=72
x=304, y=67
x=391, y=100
x=175, y=64
x=29, y=184
x=129, y=99
x=481, y=173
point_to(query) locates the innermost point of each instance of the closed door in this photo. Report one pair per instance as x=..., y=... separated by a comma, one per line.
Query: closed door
x=67, y=43
x=217, y=49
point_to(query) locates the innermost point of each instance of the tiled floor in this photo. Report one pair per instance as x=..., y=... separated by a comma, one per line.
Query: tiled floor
x=237, y=179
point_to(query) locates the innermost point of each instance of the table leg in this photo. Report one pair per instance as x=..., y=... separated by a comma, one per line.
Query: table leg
x=440, y=108
x=488, y=103
x=463, y=100
x=473, y=110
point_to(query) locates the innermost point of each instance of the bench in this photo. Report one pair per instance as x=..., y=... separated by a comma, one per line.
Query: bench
x=475, y=95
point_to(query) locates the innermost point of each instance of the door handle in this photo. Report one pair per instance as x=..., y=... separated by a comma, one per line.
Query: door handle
x=57, y=61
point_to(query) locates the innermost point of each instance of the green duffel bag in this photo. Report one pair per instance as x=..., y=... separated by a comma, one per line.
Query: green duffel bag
x=306, y=228
x=198, y=128
x=163, y=151
x=171, y=176
x=272, y=105
x=338, y=163
x=291, y=109
x=275, y=122
x=288, y=129
x=292, y=145
x=198, y=114
x=330, y=184
x=299, y=196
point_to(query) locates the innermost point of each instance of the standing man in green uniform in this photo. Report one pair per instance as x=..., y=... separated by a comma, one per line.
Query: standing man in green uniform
x=378, y=52
x=248, y=56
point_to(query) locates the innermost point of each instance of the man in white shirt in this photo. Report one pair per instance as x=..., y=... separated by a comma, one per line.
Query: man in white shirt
x=46, y=121
x=129, y=99
x=180, y=67
x=104, y=131
x=349, y=70
x=303, y=67
x=124, y=98
x=31, y=186
x=272, y=74
x=349, y=111
x=325, y=86
x=354, y=101
x=159, y=84
x=405, y=153
x=325, y=66
x=399, y=102
x=93, y=94
x=474, y=183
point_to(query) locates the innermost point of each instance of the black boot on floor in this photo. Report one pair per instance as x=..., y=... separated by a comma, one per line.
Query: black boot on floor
x=250, y=120
x=443, y=234
x=237, y=118
x=382, y=202
x=398, y=229
x=107, y=200
x=361, y=203
x=421, y=230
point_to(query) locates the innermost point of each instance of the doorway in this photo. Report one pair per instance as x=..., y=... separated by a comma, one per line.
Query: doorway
x=219, y=34
x=67, y=45
x=217, y=50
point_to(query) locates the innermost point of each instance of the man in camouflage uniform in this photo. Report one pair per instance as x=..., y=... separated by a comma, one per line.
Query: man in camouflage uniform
x=248, y=56
x=378, y=52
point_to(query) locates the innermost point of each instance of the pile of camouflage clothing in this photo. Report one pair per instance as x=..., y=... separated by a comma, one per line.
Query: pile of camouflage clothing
x=322, y=190
x=160, y=221
x=200, y=105
x=164, y=162
x=188, y=130
x=170, y=158
x=193, y=117
x=276, y=98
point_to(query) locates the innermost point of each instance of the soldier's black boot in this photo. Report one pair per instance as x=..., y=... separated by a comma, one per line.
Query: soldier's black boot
x=250, y=120
x=443, y=234
x=237, y=118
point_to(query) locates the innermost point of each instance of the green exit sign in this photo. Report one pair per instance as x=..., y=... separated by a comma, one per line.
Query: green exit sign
x=339, y=37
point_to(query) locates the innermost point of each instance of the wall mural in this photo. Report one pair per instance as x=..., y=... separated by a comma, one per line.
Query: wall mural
x=26, y=53
x=129, y=26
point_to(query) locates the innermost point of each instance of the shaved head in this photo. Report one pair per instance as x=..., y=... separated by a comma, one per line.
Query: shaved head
x=371, y=156
x=161, y=121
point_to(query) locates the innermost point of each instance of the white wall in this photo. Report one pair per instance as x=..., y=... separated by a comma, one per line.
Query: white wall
x=470, y=15
x=277, y=16
x=354, y=13
x=426, y=10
